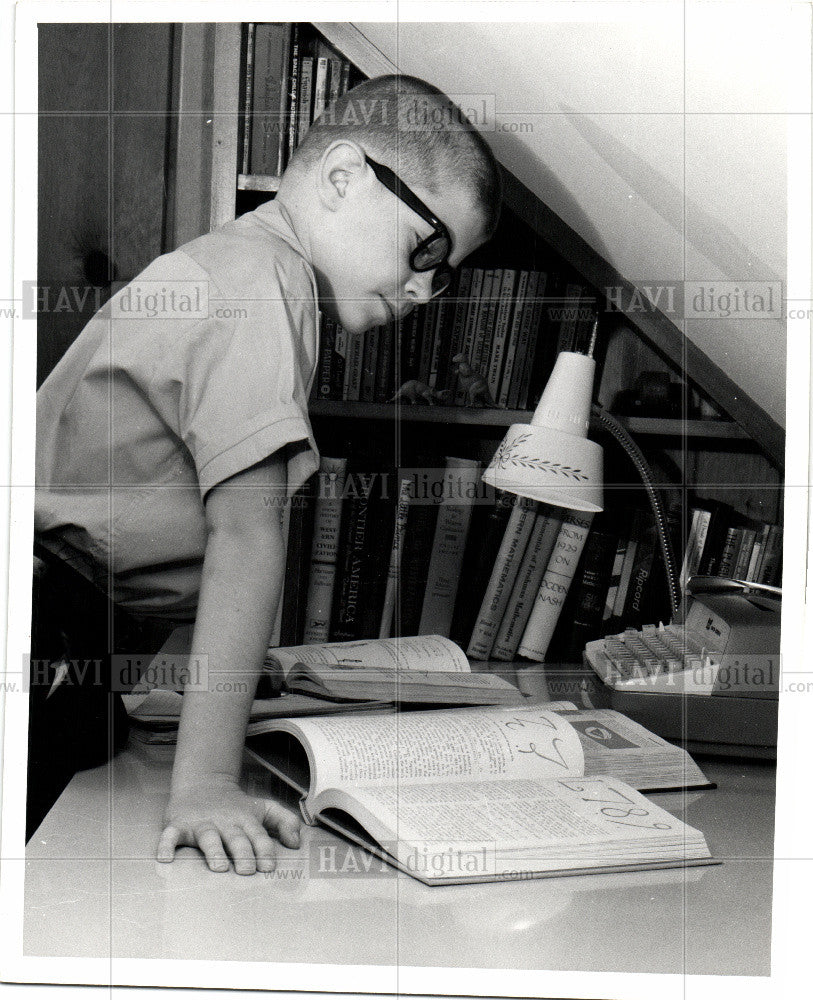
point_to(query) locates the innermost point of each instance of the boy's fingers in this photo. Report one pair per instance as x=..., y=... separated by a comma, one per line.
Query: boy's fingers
x=165, y=851
x=263, y=846
x=242, y=852
x=210, y=843
x=283, y=821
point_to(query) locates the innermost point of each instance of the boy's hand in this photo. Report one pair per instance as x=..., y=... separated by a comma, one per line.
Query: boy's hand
x=223, y=822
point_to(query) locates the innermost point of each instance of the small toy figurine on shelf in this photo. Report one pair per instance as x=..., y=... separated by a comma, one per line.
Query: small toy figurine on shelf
x=474, y=386
x=415, y=391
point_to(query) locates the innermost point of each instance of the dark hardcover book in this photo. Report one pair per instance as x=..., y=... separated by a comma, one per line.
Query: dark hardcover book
x=427, y=338
x=420, y=529
x=484, y=331
x=381, y=526
x=462, y=292
x=297, y=564
x=439, y=360
x=339, y=364
x=529, y=322
x=723, y=517
x=355, y=544
x=385, y=365
x=270, y=98
x=485, y=537
x=641, y=604
x=327, y=344
x=512, y=336
x=589, y=592
x=409, y=337
x=369, y=364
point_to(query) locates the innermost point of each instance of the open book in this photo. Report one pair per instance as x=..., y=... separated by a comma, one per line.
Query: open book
x=422, y=669
x=471, y=795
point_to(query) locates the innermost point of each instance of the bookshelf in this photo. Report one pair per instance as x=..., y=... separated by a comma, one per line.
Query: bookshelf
x=737, y=456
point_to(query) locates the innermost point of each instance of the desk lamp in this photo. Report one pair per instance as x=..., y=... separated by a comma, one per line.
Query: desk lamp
x=552, y=460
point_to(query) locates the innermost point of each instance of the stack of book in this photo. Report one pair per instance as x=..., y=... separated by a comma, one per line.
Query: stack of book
x=291, y=76
x=499, y=319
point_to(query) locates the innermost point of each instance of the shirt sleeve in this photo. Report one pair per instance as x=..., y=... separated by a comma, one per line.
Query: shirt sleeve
x=244, y=395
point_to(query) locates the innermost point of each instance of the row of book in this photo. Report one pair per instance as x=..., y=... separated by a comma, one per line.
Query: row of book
x=502, y=321
x=723, y=542
x=291, y=76
x=375, y=552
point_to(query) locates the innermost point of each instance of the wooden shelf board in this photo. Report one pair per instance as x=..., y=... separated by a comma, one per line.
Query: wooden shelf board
x=485, y=417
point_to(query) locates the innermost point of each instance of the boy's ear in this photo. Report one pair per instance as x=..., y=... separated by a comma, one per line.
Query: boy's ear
x=343, y=170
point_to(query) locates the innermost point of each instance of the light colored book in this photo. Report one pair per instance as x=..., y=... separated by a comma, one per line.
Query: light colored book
x=480, y=795
x=555, y=584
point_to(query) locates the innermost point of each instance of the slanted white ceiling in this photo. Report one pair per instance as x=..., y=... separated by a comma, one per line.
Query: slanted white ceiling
x=658, y=134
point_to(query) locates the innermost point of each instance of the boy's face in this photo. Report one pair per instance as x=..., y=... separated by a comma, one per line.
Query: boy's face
x=367, y=235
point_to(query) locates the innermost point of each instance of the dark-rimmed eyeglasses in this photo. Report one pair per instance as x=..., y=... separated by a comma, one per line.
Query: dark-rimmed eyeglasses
x=433, y=252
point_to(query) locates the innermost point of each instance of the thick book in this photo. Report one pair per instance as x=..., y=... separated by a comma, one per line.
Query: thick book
x=555, y=585
x=324, y=548
x=269, y=98
x=503, y=574
x=425, y=670
x=526, y=586
x=297, y=562
x=478, y=795
x=461, y=478
x=494, y=355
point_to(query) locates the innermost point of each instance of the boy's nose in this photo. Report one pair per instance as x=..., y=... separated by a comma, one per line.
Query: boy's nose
x=419, y=287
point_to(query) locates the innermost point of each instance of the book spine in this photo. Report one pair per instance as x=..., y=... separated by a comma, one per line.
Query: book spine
x=417, y=551
x=526, y=586
x=427, y=340
x=633, y=535
x=770, y=571
x=499, y=337
x=340, y=347
x=484, y=330
x=569, y=312
x=297, y=562
x=245, y=159
x=268, y=95
x=639, y=605
x=293, y=91
x=538, y=358
x=282, y=122
x=385, y=364
x=451, y=529
x=523, y=351
x=320, y=87
x=324, y=549
x=411, y=348
x=555, y=584
x=345, y=81
x=396, y=554
x=439, y=345
x=351, y=390
x=694, y=545
x=470, y=322
x=369, y=365
x=744, y=555
x=305, y=91
x=488, y=528
x=334, y=80
x=457, y=336
x=288, y=583
x=729, y=552
x=354, y=539
x=590, y=594
x=517, y=532
x=512, y=338
x=756, y=555
x=327, y=344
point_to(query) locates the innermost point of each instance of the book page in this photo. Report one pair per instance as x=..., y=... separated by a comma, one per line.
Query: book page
x=453, y=745
x=480, y=828
x=614, y=744
x=418, y=652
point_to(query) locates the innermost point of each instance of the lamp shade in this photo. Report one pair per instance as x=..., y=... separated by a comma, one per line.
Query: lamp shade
x=552, y=459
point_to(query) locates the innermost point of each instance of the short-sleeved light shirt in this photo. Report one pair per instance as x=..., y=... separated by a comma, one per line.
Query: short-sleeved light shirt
x=161, y=398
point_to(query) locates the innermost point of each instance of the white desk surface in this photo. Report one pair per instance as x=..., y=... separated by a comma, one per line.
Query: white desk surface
x=94, y=890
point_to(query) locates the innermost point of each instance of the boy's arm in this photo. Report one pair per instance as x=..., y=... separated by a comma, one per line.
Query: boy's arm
x=242, y=578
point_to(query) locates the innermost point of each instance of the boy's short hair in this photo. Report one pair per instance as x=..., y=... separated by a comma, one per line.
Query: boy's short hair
x=416, y=130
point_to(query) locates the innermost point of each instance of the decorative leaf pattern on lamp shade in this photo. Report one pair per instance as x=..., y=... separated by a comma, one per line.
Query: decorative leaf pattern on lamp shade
x=508, y=454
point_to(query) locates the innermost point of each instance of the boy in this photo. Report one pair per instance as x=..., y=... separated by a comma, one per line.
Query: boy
x=171, y=432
